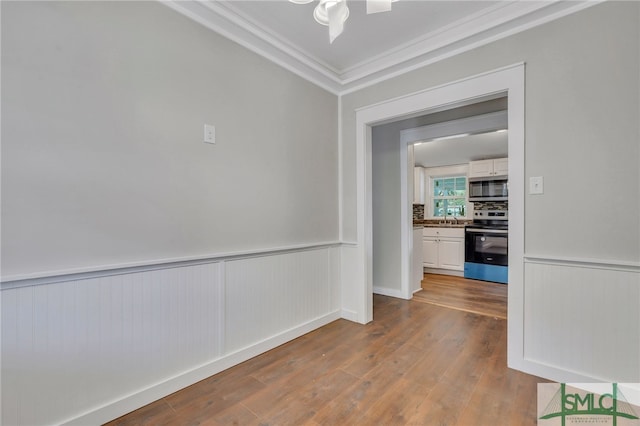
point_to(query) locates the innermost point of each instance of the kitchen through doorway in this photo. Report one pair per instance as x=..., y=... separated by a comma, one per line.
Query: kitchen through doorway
x=442, y=143
x=448, y=159
x=393, y=262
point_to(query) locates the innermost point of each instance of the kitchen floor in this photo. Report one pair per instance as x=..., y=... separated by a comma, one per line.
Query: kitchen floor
x=478, y=297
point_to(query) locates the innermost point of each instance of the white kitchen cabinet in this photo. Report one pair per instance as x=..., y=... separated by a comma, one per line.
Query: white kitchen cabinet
x=430, y=252
x=501, y=166
x=418, y=185
x=443, y=248
x=488, y=168
x=451, y=253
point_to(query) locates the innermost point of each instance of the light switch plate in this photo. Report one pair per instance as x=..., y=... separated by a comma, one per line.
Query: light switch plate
x=536, y=185
x=209, y=133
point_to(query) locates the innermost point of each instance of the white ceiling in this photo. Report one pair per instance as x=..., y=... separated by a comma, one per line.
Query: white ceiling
x=461, y=150
x=365, y=36
x=372, y=47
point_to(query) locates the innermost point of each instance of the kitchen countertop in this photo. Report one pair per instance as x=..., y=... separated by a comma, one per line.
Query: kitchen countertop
x=428, y=223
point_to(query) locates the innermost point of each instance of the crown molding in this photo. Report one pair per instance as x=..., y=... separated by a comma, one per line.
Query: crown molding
x=236, y=28
x=502, y=20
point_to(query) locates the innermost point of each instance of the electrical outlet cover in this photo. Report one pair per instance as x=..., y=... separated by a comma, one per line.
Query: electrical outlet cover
x=209, y=133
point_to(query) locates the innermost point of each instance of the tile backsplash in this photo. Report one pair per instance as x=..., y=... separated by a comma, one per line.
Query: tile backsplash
x=491, y=205
x=418, y=211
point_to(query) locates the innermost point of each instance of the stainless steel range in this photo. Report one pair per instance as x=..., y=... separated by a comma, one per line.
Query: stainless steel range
x=487, y=246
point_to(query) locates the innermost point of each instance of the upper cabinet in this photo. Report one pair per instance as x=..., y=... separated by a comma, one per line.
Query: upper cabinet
x=489, y=168
x=418, y=185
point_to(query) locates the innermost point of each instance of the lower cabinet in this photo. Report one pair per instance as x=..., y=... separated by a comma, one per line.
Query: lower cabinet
x=443, y=248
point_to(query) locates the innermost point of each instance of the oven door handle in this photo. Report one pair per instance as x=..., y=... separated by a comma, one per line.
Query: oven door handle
x=487, y=231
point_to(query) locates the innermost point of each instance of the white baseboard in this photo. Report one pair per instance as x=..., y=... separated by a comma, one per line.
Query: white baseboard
x=443, y=272
x=391, y=292
x=349, y=315
x=143, y=397
x=555, y=373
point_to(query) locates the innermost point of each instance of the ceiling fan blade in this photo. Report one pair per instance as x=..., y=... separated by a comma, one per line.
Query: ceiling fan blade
x=337, y=13
x=375, y=6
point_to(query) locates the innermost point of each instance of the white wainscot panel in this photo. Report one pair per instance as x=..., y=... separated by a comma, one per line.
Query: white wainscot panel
x=271, y=295
x=69, y=348
x=584, y=320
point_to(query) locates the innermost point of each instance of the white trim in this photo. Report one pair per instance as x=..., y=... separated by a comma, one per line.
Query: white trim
x=443, y=271
x=609, y=264
x=222, y=295
x=500, y=21
x=559, y=374
x=477, y=124
x=159, y=390
x=50, y=277
x=509, y=80
x=349, y=315
x=554, y=11
x=211, y=15
x=340, y=172
x=474, y=30
x=419, y=108
x=406, y=227
x=391, y=292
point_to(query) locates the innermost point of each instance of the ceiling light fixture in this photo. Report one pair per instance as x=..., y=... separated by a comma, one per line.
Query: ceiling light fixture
x=334, y=13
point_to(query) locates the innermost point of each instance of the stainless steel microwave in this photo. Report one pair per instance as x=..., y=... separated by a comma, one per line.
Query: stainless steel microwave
x=494, y=188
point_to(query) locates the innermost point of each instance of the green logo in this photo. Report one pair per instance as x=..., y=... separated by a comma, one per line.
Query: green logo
x=581, y=406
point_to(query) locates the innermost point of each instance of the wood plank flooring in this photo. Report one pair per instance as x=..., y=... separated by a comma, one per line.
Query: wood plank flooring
x=480, y=297
x=415, y=364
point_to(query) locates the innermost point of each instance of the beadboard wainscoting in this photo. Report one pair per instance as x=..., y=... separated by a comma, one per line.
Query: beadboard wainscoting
x=582, y=319
x=88, y=349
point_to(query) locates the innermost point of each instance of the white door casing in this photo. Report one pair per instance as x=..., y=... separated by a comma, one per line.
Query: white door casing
x=508, y=80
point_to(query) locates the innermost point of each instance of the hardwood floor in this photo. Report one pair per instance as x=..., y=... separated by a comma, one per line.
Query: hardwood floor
x=415, y=364
x=480, y=297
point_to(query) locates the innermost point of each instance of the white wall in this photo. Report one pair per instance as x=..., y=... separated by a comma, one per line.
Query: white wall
x=103, y=161
x=582, y=135
x=136, y=259
x=581, y=108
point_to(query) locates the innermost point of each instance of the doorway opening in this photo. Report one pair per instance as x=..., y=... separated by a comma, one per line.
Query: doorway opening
x=437, y=147
x=509, y=81
x=446, y=158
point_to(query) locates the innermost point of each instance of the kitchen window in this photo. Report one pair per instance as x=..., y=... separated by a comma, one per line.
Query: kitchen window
x=448, y=196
